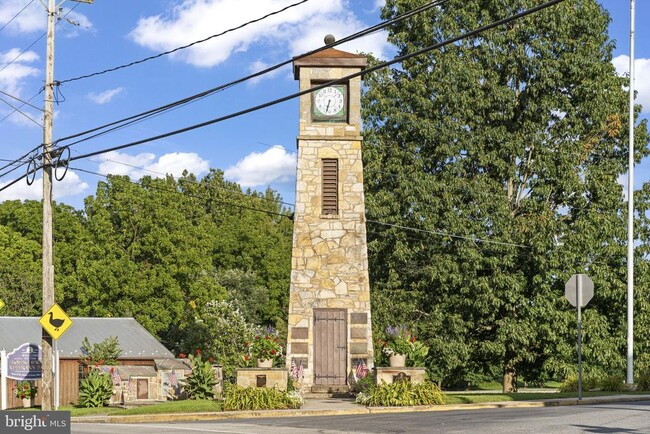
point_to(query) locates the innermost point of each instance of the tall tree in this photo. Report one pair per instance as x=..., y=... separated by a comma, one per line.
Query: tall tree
x=504, y=151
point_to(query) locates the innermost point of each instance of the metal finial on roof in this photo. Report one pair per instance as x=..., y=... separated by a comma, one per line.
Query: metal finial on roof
x=329, y=39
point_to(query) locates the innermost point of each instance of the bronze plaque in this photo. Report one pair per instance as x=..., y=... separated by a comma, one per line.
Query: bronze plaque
x=261, y=381
x=401, y=377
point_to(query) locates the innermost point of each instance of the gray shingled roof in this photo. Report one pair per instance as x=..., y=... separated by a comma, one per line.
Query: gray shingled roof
x=135, y=341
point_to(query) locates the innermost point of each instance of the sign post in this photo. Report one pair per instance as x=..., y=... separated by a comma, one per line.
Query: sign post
x=578, y=290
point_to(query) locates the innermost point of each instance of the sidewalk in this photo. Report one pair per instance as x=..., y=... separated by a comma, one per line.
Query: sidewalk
x=346, y=406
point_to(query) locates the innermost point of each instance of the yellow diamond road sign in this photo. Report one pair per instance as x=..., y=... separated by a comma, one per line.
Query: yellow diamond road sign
x=55, y=321
x=2, y=304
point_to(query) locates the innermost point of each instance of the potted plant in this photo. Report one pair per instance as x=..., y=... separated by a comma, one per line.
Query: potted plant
x=266, y=348
x=25, y=391
x=401, y=345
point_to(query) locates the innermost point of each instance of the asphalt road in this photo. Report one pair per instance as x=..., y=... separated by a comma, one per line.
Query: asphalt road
x=602, y=418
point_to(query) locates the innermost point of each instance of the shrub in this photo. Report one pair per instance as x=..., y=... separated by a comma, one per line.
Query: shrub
x=401, y=393
x=643, y=380
x=96, y=389
x=200, y=383
x=261, y=398
x=362, y=384
x=613, y=383
x=589, y=382
x=105, y=352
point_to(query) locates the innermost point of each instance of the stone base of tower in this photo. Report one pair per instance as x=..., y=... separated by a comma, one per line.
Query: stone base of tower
x=329, y=343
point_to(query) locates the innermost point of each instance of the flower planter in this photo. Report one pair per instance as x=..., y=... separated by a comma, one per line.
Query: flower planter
x=27, y=402
x=397, y=361
x=264, y=363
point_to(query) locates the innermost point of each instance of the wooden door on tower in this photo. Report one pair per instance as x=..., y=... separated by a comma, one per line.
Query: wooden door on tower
x=330, y=346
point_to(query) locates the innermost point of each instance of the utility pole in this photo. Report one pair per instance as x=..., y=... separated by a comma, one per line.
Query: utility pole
x=47, y=398
x=48, y=267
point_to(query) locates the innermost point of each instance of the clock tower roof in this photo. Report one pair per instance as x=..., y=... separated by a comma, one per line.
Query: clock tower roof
x=330, y=57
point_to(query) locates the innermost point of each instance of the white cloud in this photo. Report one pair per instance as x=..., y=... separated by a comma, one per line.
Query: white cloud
x=13, y=75
x=300, y=28
x=30, y=20
x=34, y=18
x=259, y=65
x=274, y=165
x=106, y=96
x=137, y=166
x=641, y=72
x=71, y=185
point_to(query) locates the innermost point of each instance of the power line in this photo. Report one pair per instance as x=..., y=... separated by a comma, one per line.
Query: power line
x=184, y=46
x=23, y=52
x=16, y=16
x=323, y=85
x=20, y=100
x=20, y=107
x=141, y=116
x=446, y=234
x=17, y=109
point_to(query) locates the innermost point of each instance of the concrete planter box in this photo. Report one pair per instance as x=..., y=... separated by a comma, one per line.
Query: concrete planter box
x=263, y=377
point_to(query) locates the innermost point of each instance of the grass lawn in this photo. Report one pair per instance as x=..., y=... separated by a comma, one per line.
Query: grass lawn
x=184, y=406
x=475, y=398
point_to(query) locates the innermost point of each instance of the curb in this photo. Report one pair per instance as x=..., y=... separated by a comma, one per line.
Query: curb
x=355, y=409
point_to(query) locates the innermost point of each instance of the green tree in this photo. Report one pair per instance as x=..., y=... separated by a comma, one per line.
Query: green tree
x=504, y=151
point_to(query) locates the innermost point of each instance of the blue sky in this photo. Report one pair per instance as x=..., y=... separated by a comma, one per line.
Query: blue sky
x=255, y=150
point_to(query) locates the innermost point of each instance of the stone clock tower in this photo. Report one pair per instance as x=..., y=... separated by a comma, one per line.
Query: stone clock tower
x=329, y=328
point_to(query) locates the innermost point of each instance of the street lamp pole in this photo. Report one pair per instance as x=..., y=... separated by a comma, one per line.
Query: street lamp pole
x=630, y=215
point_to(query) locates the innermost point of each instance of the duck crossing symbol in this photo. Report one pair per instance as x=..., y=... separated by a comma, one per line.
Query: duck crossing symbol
x=55, y=321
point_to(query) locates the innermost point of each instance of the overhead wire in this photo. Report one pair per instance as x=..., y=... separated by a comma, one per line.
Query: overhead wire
x=127, y=65
x=23, y=52
x=16, y=16
x=144, y=169
x=342, y=79
x=143, y=115
x=17, y=109
x=191, y=194
x=371, y=69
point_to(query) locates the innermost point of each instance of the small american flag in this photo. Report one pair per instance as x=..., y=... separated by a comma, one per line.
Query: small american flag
x=115, y=376
x=297, y=371
x=362, y=369
x=172, y=378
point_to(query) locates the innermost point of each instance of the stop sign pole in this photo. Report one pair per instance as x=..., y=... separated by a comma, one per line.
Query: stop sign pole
x=578, y=290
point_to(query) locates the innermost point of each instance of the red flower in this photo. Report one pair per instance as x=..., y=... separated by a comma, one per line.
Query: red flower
x=273, y=352
x=246, y=358
x=198, y=351
x=181, y=356
x=211, y=359
x=257, y=338
x=412, y=339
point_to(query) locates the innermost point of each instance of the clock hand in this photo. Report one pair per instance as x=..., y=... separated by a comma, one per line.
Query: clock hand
x=327, y=109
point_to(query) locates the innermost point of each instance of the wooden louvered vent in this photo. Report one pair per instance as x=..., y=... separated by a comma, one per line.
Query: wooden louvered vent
x=330, y=186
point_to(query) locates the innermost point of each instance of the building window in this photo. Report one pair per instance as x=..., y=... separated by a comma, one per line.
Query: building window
x=330, y=185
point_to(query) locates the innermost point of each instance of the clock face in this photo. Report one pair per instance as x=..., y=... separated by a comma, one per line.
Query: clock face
x=329, y=103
